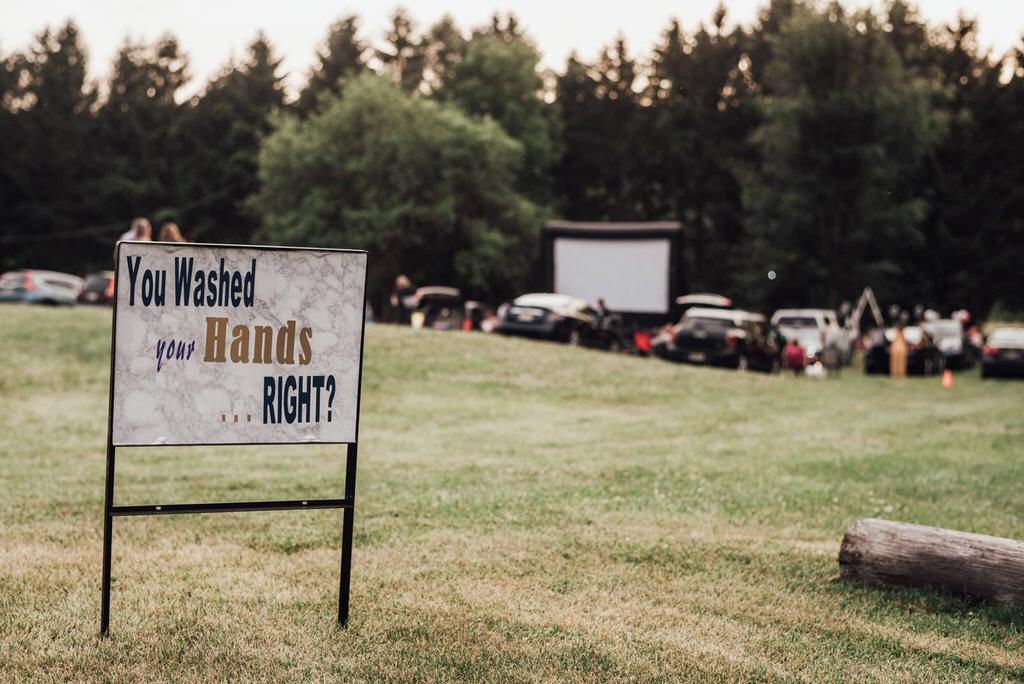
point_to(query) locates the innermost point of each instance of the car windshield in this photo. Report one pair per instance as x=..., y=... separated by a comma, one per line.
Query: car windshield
x=704, y=323
x=1007, y=336
x=96, y=282
x=11, y=279
x=553, y=302
x=798, y=322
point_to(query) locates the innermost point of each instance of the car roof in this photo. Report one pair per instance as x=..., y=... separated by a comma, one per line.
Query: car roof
x=705, y=299
x=438, y=290
x=802, y=312
x=550, y=299
x=724, y=314
x=1011, y=334
x=39, y=272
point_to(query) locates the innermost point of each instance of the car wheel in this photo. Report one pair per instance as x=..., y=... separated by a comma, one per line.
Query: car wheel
x=574, y=338
x=742, y=363
x=614, y=347
x=776, y=366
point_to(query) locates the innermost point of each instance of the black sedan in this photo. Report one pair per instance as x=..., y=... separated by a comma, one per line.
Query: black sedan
x=561, y=318
x=98, y=289
x=923, y=356
x=1003, y=354
x=721, y=337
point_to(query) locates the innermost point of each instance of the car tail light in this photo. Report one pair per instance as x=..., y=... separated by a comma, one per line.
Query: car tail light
x=109, y=292
x=642, y=340
x=730, y=340
x=990, y=350
x=28, y=283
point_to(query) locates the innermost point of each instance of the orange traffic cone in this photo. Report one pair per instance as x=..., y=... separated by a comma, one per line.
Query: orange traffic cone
x=947, y=378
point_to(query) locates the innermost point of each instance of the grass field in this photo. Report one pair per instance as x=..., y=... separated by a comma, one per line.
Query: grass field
x=527, y=512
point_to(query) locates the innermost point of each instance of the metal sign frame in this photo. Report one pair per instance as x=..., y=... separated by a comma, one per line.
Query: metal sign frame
x=346, y=503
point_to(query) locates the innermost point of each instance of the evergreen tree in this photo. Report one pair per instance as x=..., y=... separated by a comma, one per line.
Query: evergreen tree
x=342, y=55
x=220, y=135
x=967, y=210
x=579, y=173
x=49, y=164
x=444, y=48
x=404, y=55
x=830, y=206
x=138, y=131
x=704, y=113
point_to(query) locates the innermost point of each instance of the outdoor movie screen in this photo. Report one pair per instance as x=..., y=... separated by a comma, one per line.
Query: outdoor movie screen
x=631, y=275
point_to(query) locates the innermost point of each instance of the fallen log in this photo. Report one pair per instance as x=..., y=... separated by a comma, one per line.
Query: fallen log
x=896, y=554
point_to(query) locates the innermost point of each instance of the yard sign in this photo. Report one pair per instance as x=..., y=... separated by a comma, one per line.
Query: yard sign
x=225, y=344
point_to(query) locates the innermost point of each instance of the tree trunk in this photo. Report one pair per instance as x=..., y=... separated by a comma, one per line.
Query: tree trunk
x=886, y=553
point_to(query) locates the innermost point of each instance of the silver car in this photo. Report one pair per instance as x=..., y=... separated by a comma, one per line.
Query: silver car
x=39, y=287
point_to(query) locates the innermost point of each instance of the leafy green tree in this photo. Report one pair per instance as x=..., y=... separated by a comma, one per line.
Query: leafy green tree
x=342, y=55
x=430, y=191
x=830, y=207
x=497, y=78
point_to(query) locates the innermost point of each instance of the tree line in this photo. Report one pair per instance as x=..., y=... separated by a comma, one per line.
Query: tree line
x=834, y=148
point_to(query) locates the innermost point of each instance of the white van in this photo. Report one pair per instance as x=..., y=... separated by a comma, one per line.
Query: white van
x=816, y=329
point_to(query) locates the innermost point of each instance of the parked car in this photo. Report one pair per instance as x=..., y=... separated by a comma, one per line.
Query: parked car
x=953, y=341
x=722, y=337
x=923, y=356
x=98, y=288
x=437, y=307
x=39, y=287
x=1003, y=354
x=561, y=318
x=816, y=330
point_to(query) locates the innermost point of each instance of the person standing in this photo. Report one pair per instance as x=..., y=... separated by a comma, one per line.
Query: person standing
x=169, y=232
x=898, y=354
x=794, y=356
x=141, y=230
x=401, y=299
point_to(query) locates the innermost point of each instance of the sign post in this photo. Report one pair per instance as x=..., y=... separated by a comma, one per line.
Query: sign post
x=229, y=344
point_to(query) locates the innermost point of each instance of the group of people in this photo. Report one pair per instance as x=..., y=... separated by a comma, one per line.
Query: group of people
x=794, y=358
x=142, y=229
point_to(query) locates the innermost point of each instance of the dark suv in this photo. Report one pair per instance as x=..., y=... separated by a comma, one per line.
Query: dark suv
x=730, y=338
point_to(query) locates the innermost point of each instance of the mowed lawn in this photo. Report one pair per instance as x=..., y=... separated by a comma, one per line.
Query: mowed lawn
x=526, y=512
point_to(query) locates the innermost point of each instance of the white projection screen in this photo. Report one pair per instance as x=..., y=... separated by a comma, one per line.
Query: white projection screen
x=631, y=275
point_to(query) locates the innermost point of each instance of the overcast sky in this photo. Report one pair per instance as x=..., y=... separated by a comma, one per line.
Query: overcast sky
x=212, y=31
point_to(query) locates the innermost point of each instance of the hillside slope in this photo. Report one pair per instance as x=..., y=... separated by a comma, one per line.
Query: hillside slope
x=525, y=511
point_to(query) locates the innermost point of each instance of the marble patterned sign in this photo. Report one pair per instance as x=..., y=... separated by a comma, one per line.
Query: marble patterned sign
x=236, y=345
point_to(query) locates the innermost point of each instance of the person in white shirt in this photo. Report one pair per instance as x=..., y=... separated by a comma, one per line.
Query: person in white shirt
x=140, y=230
